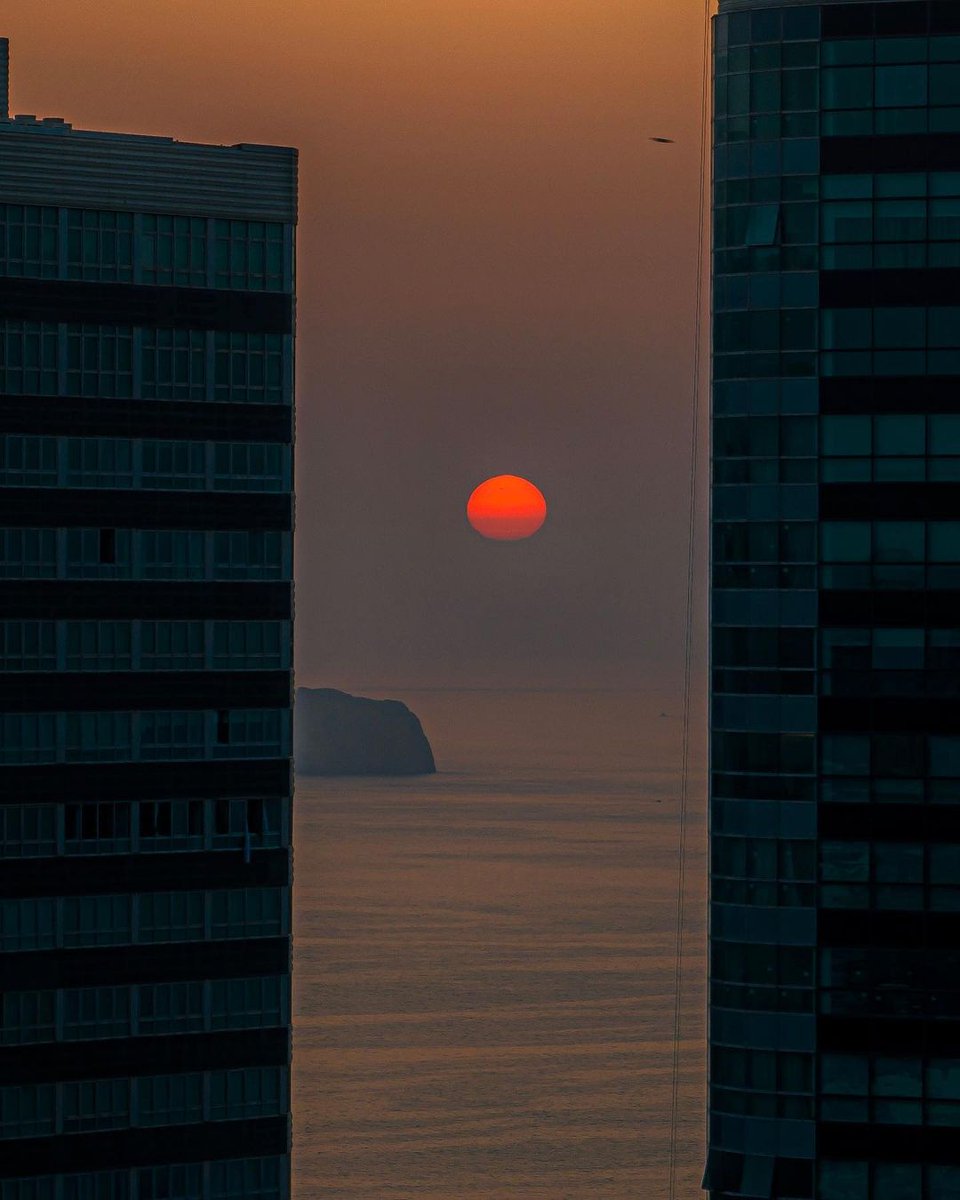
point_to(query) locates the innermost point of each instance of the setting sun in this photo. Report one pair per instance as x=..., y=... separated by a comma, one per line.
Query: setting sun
x=506, y=508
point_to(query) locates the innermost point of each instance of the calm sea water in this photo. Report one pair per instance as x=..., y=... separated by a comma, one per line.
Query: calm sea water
x=485, y=960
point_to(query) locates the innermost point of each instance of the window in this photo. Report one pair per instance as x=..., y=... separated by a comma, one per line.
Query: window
x=248, y=1179
x=95, y=1104
x=249, y=368
x=41, y=1188
x=246, y=823
x=29, y=242
x=28, y=461
x=171, y=1183
x=28, y=646
x=99, y=645
x=254, y=733
x=248, y=255
x=171, y=916
x=763, y=223
x=27, y=1017
x=86, y=557
x=99, y=736
x=171, y=645
x=28, y=1111
x=96, y=920
x=28, y=358
x=28, y=830
x=171, y=824
x=99, y=1185
x=250, y=555
x=171, y=1008
x=28, y=554
x=177, y=734
x=251, y=1092
x=28, y=738
x=99, y=245
x=174, y=364
x=248, y=1003
x=901, y=86
x=170, y=1099
x=97, y=827
x=241, y=645
x=29, y=924
x=246, y=913
x=100, y=361
x=181, y=465
x=251, y=466
x=173, y=554
x=173, y=250
x=99, y=462
x=96, y=1012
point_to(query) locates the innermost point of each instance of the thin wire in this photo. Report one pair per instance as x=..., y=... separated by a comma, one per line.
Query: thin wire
x=688, y=631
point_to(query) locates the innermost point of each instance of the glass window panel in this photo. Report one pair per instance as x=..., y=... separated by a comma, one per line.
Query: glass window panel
x=845, y=541
x=901, y=87
x=897, y=435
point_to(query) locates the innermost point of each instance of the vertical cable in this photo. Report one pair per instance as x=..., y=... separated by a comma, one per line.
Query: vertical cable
x=690, y=599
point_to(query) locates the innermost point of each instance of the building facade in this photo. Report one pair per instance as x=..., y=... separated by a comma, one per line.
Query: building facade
x=835, y=772
x=146, y=429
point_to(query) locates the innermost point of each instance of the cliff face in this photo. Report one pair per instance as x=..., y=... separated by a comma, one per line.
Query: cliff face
x=338, y=734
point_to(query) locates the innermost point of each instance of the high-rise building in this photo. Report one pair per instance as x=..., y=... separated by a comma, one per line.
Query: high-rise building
x=835, y=773
x=146, y=386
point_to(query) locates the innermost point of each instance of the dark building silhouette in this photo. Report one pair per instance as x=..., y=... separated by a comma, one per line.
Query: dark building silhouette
x=835, y=803
x=146, y=385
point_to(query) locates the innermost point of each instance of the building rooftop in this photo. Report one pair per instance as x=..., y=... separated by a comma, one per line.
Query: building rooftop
x=45, y=160
x=731, y=6
x=57, y=126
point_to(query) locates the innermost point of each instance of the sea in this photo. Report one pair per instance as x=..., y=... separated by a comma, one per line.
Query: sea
x=485, y=959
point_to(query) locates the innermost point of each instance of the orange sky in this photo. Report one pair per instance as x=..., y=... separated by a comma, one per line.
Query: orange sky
x=496, y=276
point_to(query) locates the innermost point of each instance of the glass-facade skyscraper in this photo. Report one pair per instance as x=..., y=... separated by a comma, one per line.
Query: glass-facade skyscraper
x=146, y=428
x=835, y=768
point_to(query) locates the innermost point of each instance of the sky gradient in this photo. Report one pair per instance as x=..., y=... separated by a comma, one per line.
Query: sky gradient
x=497, y=275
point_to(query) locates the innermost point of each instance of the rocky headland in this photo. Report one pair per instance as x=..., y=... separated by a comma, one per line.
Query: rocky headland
x=335, y=733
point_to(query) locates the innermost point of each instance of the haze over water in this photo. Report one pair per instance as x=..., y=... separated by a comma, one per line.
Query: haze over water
x=484, y=962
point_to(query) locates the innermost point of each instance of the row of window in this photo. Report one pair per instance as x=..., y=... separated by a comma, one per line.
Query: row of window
x=887, y=1181
x=126, y=362
x=143, y=1010
x=51, y=922
x=85, y=827
x=771, y=157
x=34, y=461
x=44, y=1109
x=766, y=397
x=762, y=1070
x=897, y=755
x=846, y=649
x=882, y=542
x=122, y=247
x=778, y=862
x=144, y=554
x=234, y=1179
x=143, y=645
x=763, y=858
x=763, y=966
x=790, y=89
x=149, y=736
x=890, y=649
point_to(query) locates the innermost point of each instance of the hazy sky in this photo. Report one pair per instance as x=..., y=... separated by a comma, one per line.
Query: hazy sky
x=497, y=274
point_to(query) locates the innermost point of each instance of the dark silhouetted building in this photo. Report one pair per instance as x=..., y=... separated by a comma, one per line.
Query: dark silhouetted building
x=835, y=801
x=146, y=385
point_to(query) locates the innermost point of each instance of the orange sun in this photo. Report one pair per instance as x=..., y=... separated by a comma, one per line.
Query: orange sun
x=506, y=508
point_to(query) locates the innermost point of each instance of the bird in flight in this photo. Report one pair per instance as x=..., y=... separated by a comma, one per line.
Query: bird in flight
x=664, y=141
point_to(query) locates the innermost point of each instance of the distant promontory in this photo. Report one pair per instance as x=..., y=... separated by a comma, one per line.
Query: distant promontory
x=338, y=734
